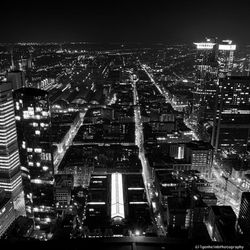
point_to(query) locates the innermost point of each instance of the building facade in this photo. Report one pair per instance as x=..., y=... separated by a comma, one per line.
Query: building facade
x=33, y=122
x=231, y=130
x=10, y=173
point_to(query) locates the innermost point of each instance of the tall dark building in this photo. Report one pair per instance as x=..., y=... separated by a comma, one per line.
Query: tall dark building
x=243, y=225
x=231, y=130
x=213, y=60
x=10, y=174
x=221, y=223
x=33, y=122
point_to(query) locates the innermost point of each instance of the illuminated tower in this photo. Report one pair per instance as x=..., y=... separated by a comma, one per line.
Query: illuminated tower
x=10, y=174
x=12, y=67
x=206, y=57
x=231, y=125
x=226, y=56
x=33, y=123
x=206, y=75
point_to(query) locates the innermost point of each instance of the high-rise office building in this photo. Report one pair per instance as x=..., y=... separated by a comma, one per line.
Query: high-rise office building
x=33, y=124
x=206, y=57
x=213, y=60
x=206, y=75
x=231, y=130
x=226, y=56
x=221, y=224
x=243, y=225
x=10, y=174
x=7, y=212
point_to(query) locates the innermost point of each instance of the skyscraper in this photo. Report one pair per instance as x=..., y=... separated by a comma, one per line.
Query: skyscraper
x=10, y=174
x=213, y=60
x=226, y=56
x=33, y=124
x=206, y=75
x=243, y=225
x=231, y=130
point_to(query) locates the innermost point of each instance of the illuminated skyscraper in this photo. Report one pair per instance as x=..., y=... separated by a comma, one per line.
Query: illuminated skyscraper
x=231, y=130
x=226, y=56
x=10, y=174
x=206, y=75
x=214, y=60
x=33, y=123
x=206, y=59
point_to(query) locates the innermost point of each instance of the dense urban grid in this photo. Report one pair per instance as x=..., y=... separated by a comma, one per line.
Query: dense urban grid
x=125, y=140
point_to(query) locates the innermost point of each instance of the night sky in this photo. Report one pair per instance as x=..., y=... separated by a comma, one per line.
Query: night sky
x=125, y=21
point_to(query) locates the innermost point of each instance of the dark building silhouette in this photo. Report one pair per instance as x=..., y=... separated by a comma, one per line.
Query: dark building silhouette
x=221, y=224
x=231, y=128
x=243, y=225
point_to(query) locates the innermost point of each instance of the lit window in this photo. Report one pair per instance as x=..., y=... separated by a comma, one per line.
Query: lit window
x=45, y=168
x=38, y=150
x=37, y=132
x=17, y=106
x=25, y=114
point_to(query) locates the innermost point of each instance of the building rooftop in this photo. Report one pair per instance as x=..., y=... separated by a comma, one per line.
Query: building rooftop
x=199, y=145
x=31, y=91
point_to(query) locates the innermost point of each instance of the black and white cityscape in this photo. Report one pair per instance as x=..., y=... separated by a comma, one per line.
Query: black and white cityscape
x=125, y=144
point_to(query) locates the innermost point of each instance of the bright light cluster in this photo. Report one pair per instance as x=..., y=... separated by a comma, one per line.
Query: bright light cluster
x=117, y=201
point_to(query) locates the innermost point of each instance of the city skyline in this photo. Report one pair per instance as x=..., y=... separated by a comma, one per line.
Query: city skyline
x=125, y=125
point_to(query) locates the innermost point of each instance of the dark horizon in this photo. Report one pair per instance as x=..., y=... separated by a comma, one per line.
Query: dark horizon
x=125, y=22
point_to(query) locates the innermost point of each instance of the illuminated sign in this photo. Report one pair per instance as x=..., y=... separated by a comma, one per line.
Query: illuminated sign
x=227, y=47
x=204, y=45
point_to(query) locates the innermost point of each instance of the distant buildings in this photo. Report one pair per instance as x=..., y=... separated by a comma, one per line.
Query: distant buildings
x=214, y=60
